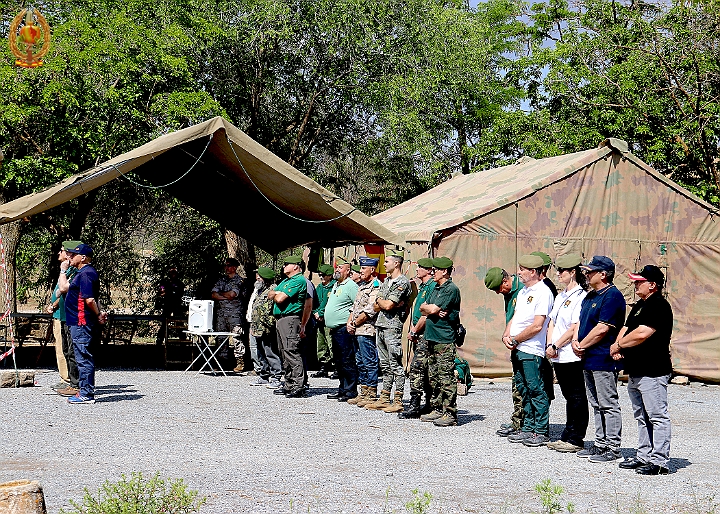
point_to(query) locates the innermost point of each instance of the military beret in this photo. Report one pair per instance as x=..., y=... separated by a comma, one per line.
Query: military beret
x=493, y=278
x=368, y=261
x=355, y=268
x=326, y=269
x=266, y=273
x=394, y=253
x=442, y=263
x=292, y=259
x=425, y=262
x=69, y=245
x=547, y=261
x=341, y=260
x=568, y=261
x=531, y=261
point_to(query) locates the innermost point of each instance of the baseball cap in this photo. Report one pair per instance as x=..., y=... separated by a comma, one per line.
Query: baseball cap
x=650, y=273
x=599, y=263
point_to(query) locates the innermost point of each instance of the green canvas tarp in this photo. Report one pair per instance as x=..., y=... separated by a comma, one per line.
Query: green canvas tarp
x=603, y=201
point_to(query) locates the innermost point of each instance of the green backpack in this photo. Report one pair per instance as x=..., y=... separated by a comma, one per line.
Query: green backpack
x=463, y=375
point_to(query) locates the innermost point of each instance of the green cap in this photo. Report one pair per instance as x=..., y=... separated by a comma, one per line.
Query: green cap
x=341, y=260
x=442, y=263
x=531, y=261
x=494, y=278
x=266, y=273
x=355, y=268
x=326, y=269
x=568, y=261
x=292, y=259
x=547, y=261
x=425, y=262
x=70, y=245
x=394, y=253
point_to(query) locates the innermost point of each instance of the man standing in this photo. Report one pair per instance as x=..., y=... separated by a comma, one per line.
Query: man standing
x=525, y=336
x=83, y=316
x=419, y=379
x=392, y=308
x=644, y=344
x=262, y=331
x=442, y=314
x=500, y=281
x=226, y=293
x=601, y=316
x=361, y=325
x=337, y=313
x=324, y=342
x=289, y=298
x=170, y=294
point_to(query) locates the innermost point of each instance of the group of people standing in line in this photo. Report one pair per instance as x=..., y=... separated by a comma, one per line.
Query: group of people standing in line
x=583, y=331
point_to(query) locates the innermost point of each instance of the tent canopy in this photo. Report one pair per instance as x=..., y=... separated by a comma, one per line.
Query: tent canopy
x=224, y=174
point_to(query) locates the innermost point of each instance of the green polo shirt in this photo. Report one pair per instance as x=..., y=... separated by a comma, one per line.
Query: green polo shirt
x=60, y=311
x=447, y=297
x=340, y=303
x=323, y=293
x=511, y=298
x=296, y=289
x=423, y=293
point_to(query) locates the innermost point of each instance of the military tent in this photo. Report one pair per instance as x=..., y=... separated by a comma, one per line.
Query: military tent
x=603, y=201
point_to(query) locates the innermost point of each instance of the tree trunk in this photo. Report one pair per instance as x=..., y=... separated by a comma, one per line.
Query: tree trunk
x=241, y=250
x=10, y=236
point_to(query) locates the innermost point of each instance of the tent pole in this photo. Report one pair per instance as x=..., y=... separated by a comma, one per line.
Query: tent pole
x=517, y=207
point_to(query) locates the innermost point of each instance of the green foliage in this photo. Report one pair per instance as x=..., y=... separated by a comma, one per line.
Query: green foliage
x=139, y=495
x=550, y=498
x=420, y=503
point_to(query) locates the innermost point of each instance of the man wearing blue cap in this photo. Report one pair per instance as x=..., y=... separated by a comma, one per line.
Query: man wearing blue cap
x=601, y=317
x=84, y=317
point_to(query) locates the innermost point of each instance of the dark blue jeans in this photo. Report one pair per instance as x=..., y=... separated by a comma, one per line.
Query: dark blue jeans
x=84, y=339
x=347, y=369
x=366, y=357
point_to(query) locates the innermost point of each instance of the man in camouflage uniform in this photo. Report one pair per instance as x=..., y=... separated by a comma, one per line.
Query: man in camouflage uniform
x=262, y=328
x=324, y=341
x=419, y=379
x=361, y=324
x=442, y=312
x=226, y=293
x=500, y=281
x=392, y=308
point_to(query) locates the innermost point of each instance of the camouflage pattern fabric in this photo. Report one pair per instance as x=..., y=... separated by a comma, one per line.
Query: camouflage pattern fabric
x=262, y=321
x=389, y=345
x=224, y=285
x=367, y=292
x=441, y=369
x=419, y=377
x=397, y=289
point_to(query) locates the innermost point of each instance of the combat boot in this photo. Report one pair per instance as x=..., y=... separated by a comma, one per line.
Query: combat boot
x=363, y=392
x=382, y=402
x=435, y=414
x=397, y=405
x=370, y=397
x=446, y=420
x=413, y=411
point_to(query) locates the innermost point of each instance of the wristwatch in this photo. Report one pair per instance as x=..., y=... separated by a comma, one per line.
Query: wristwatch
x=553, y=347
x=514, y=342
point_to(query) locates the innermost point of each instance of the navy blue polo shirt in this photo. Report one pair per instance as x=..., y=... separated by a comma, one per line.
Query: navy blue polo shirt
x=607, y=307
x=85, y=284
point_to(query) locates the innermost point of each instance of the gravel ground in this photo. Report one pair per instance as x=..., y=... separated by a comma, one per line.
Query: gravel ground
x=248, y=450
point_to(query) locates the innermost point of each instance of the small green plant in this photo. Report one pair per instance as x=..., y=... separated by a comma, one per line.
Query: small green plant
x=550, y=496
x=420, y=503
x=139, y=495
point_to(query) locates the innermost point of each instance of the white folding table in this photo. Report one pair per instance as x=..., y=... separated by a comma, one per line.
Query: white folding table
x=202, y=341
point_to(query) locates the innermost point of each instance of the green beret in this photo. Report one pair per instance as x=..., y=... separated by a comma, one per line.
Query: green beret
x=494, y=278
x=326, y=269
x=292, y=259
x=394, y=253
x=547, y=261
x=266, y=273
x=341, y=260
x=568, y=261
x=425, y=262
x=355, y=268
x=71, y=245
x=442, y=263
x=531, y=261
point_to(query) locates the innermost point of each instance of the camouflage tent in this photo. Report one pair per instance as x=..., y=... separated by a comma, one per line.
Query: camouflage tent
x=604, y=201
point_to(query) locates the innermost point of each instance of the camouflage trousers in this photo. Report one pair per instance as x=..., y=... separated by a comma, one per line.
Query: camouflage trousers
x=518, y=415
x=226, y=323
x=418, y=376
x=441, y=369
x=389, y=345
x=324, y=346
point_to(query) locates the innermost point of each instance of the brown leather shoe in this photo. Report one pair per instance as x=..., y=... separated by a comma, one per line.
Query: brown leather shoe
x=68, y=391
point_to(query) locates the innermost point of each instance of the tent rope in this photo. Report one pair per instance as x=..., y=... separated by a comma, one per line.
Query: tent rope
x=169, y=183
x=232, y=147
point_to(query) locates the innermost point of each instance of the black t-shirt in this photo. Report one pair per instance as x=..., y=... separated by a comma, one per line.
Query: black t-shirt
x=650, y=358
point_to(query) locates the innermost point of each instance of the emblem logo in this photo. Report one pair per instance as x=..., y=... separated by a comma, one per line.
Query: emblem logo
x=594, y=305
x=530, y=299
x=567, y=303
x=24, y=39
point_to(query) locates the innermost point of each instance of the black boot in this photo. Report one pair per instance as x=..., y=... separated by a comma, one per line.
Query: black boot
x=427, y=408
x=413, y=411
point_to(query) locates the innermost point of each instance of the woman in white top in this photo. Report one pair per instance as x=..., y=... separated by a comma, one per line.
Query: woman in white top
x=564, y=319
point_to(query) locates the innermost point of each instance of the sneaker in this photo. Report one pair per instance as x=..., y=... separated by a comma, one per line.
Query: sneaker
x=606, y=456
x=319, y=374
x=77, y=399
x=281, y=391
x=68, y=391
x=552, y=445
x=259, y=381
x=505, y=431
x=519, y=437
x=60, y=385
x=565, y=447
x=273, y=383
x=536, y=440
x=593, y=450
x=299, y=393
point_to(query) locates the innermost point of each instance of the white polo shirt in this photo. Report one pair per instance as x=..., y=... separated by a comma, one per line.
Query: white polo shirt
x=532, y=301
x=565, y=312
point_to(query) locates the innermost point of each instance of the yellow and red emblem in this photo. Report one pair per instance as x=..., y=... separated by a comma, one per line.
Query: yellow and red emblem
x=27, y=30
